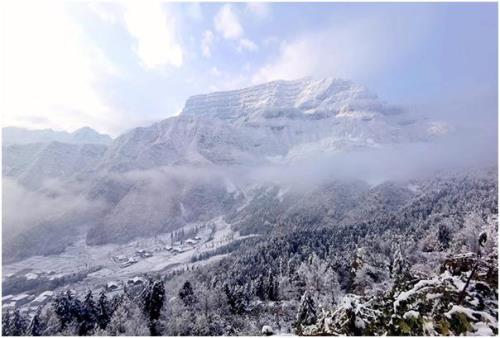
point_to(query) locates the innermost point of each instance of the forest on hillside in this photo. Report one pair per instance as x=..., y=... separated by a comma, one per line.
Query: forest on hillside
x=426, y=267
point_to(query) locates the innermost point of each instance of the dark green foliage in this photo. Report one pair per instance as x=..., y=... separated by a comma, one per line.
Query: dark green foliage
x=235, y=299
x=444, y=236
x=153, y=299
x=63, y=308
x=186, y=294
x=104, y=311
x=88, y=315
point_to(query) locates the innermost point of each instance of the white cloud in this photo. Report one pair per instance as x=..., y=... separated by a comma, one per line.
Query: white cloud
x=154, y=29
x=260, y=9
x=295, y=61
x=227, y=23
x=215, y=71
x=194, y=11
x=246, y=44
x=206, y=43
x=356, y=50
x=49, y=70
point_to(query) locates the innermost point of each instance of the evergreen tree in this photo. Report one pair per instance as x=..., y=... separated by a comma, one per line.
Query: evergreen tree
x=307, y=314
x=272, y=288
x=6, y=323
x=186, y=294
x=127, y=319
x=88, y=315
x=444, y=236
x=235, y=300
x=116, y=325
x=62, y=309
x=400, y=266
x=18, y=324
x=51, y=321
x=37, y=326
x=75, y=306
x=153, y=299
x=260, y=290
x=103, y=311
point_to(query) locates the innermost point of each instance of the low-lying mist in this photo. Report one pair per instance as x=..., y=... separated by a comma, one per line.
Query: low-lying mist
x=165, y=198
x=390, y=162
x=24, y=208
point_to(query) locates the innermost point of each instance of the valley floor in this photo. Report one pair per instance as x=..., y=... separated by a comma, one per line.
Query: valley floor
x=105, y=266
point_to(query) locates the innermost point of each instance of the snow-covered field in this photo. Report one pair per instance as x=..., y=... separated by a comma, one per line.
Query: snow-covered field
x=166, y=255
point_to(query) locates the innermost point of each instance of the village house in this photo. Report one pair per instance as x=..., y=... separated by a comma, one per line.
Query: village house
x=113, y=286
x=143, y=253
x=120, y=258
x=42, y=298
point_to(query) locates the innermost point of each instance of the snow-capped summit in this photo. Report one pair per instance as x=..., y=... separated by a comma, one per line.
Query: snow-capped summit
x=306, y=96
x=155, y=179
x=89, y=135
x=276, y=121
x=280, y=121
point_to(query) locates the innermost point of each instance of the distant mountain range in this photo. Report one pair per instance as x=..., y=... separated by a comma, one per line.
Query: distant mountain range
x=85, y=135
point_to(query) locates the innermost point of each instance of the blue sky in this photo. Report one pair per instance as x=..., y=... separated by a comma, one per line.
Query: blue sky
x=117, y=65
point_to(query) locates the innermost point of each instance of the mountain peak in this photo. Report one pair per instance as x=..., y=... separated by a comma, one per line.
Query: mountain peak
x=89, y=135
x=307, y=95
x=85, y=129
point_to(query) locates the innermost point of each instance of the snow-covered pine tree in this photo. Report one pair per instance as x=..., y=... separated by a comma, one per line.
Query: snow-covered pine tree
x=260, y=290
x=6, y=323
x=36, y=326
x=88, y=315
x=186, y=294
x=18, y=324
x=103, y=311
x=153, y=299
x=62, y=309
x=127, y=320
x=51, y=320
x=307, y=313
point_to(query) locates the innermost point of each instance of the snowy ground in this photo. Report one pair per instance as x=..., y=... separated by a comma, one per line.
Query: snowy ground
x=80, y=257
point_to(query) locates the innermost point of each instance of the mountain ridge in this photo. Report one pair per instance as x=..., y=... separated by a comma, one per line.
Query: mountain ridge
x=284, y=120
x=16, y=135
x=202, y=163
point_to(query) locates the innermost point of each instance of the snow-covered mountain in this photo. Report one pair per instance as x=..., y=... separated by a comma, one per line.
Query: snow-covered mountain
x=219, y=202
x=276, y=121
x=191, y=167
x=14, y=135
x=31, y=164
x=278, y=98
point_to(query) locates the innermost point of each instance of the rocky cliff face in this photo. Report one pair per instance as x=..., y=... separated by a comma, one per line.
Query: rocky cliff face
x=277, y=121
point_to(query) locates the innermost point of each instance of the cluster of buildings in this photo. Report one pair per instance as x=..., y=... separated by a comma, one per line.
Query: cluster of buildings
x=175, y=248
x=29, y=302
x=131, y=282
x=125, y=261
x=179, y=247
